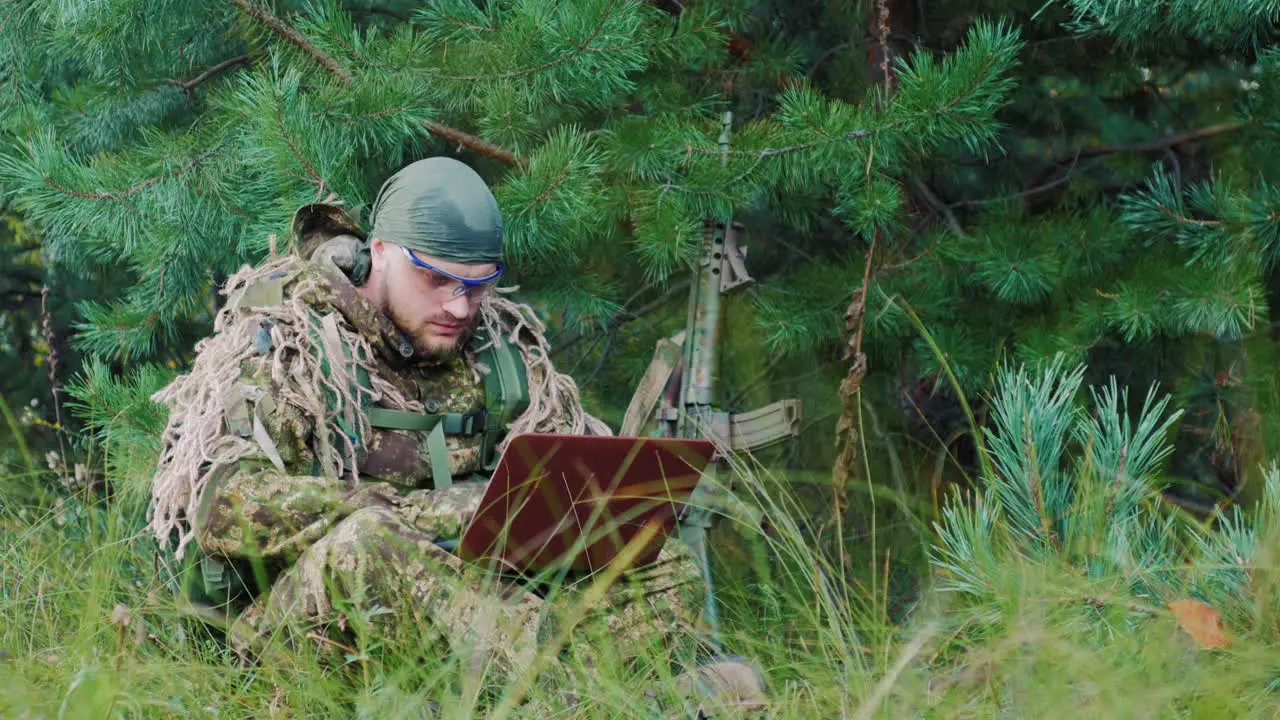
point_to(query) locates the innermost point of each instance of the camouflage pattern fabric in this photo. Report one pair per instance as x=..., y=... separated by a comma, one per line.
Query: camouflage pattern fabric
x=380, y=566
x=336, y=555
x=255, y=507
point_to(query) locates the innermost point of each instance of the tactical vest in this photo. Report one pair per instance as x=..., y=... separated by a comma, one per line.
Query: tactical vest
x=506, y=395
x=212, y=582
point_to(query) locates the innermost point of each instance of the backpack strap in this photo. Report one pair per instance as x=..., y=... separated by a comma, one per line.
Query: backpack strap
x=506, y=389
x=437, y=426
x=433, y=425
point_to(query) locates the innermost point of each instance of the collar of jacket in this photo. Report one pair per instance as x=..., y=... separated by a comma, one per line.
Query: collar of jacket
x=382, y=334
x=322, y=233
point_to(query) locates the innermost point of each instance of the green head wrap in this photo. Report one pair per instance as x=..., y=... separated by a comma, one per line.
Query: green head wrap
x=442, y=208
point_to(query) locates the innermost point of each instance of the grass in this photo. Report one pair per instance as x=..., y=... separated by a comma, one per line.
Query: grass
x=89, y=628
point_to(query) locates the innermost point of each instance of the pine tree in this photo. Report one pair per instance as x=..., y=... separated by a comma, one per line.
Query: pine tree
x=1130, y=224
x=170, y=141
x=1013, y=178
x=1073, y=490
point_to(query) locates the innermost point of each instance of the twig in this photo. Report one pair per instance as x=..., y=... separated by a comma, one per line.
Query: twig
x=1191, y=505
x=866, y=287
x=192, y=84
x=1025, y=193
x=284, y=135
x=552, y=186
x=650, y=307
x=1154, y=146
x=882, y=26
x=761, y=378
x=320, y=638
x=193, y=162
x=120, y=196
x=849, y=389
x=1175, y=215
x=772, y=152
x=292, y=36
x=85, y=195
x=938, y=205
x=621, y=318
x=1162, y=145
x=825, y=57
x=50, y=338
x=580, y=47
x=604, y=355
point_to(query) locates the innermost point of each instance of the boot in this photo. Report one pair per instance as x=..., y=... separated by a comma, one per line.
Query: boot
x=724, y=686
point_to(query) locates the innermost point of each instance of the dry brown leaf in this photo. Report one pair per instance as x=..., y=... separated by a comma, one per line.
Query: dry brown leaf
x=120, y=615
x=1200, y=621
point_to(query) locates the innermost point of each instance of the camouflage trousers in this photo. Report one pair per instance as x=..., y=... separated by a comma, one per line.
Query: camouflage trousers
x=380, y=569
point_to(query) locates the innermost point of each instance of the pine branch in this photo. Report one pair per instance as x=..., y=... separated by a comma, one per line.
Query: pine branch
x=480, y=145
x=580, y=47
x=136, y=187
x=1233, y=24
x=766, y=153
x=297, y=154
x=621, y=318
x=292, y=36
x=1155, y=146
x=1176, y=216
x=930, y=108
x=211, y=72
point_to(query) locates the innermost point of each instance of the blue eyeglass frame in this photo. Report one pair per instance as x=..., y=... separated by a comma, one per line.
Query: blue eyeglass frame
x=467, y=283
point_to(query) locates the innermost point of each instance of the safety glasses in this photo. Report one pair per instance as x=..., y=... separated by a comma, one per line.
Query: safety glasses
x=471, y=287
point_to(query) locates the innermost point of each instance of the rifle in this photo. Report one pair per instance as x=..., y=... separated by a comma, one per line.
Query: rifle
x=681, y=377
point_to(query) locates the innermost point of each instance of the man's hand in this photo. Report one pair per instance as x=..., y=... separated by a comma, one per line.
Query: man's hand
x=444, y=512
x=370, y=494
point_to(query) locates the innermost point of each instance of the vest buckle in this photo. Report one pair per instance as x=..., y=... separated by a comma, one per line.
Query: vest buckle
x=473, y=422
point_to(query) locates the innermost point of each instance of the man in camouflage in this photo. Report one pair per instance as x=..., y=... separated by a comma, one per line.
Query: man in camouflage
x=309, y=519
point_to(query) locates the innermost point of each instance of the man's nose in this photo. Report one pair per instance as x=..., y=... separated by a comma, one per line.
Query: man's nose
x=459, y=306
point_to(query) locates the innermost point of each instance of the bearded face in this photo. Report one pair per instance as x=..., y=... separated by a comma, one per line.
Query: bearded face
x=425, y=303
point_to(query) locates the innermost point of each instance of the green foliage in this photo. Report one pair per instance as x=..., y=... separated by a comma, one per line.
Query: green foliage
x=167, y=150
x=615, y=109
x=1026, y=624
x=121, y=418
x=1231, y=23
x=1080, y=491
x=1091, y=180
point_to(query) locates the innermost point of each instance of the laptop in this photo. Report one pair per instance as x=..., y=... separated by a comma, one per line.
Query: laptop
x=573, y=503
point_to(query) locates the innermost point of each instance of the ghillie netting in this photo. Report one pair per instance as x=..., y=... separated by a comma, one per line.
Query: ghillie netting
x=310, y=371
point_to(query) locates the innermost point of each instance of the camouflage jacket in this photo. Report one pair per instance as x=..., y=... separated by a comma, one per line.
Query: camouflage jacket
x=253, y=509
